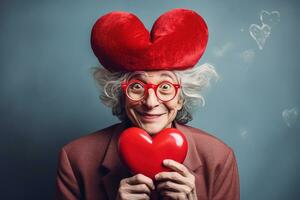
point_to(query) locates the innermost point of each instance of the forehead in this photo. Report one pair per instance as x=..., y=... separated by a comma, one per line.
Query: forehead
x=153, y=75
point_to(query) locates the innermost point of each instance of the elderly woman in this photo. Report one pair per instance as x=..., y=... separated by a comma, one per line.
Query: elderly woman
x=150, y=82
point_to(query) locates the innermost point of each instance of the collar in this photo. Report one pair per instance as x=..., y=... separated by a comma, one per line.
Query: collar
x=112, y=169
x=192, y=160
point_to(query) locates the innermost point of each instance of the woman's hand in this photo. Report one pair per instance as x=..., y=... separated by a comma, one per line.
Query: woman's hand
x=135, y=187
x=178, y=184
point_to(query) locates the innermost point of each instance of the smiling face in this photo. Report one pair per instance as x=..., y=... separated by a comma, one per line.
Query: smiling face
x=150, y=113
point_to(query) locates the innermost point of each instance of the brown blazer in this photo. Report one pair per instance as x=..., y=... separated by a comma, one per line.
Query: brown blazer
x=90, y=168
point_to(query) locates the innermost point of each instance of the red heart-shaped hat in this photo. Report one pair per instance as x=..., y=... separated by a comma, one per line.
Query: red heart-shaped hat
x=122, y=43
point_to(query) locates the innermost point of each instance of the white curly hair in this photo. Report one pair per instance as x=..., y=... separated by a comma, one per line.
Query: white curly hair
x=193, y=81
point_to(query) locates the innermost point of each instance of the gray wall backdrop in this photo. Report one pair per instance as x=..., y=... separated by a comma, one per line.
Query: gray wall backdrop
x=49, y=98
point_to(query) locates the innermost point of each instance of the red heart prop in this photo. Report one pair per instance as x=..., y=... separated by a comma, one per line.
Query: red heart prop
x=143, y=154
x=177, y=40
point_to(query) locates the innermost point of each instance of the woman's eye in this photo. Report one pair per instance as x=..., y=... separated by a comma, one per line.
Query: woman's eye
x=136, y=86
x=165, y=86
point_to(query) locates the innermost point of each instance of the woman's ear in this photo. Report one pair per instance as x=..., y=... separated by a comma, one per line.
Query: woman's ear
x=180, y=103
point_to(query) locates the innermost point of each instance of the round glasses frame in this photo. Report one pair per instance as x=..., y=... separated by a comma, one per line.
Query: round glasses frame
x=147, y=86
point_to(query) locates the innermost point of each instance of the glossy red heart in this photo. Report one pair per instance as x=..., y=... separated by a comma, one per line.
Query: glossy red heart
x=145, y=154
x=177, y=41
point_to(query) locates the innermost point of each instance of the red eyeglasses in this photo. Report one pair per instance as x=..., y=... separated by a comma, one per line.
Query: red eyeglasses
x=137, y=90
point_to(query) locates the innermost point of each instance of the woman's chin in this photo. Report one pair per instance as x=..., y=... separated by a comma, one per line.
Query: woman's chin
x=152, y=129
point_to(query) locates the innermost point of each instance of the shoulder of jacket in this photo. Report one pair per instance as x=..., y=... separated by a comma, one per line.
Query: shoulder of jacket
x=208, y=144
x=95, y=142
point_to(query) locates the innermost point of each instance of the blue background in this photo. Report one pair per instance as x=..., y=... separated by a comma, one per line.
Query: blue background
x=49, y=98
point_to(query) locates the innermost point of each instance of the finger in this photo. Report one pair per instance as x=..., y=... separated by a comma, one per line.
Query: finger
x=173, y=195
x=134, y=196
x=176, y=166
x=140, y=179
x=175, y=187
x=140, y=188
x=190, y=196
x=174, y=176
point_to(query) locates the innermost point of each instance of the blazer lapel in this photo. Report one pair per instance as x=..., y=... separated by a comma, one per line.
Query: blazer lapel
x=192, y=161
x=114, y=168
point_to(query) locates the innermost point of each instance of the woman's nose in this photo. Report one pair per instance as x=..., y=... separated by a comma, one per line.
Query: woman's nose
x=151, y=100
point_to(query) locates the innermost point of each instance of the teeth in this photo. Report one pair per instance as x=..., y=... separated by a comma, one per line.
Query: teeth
x=146, y=114
x=151, y=114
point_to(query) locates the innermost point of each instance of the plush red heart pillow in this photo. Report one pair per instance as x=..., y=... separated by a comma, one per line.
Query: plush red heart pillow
x=144, y=154
x=177, y=41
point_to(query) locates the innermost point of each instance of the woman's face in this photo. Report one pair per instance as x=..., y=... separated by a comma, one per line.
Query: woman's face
x=150, y=113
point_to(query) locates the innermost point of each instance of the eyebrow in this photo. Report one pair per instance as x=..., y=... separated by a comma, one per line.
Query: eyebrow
x=168, y=75
x=144, y=74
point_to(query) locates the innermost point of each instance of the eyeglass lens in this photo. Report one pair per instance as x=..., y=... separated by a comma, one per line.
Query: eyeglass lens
x=165, y=91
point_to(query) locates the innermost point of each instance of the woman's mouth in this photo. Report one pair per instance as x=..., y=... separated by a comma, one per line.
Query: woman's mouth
x=150, y=116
